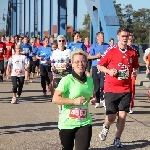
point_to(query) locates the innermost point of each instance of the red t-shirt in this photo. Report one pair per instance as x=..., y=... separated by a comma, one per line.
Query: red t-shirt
x=38, y=45
x=114, y=58
x=2, y=50
x=9, y=47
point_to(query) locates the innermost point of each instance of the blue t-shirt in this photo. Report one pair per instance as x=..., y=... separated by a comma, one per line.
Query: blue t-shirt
x=72, y=46
x=33, y=52
x=95, y=49
x=45, y=53
x=27, y=48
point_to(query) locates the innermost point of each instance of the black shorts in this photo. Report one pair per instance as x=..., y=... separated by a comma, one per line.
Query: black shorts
x=2, y=66
x=38, y=63
x=117, y=102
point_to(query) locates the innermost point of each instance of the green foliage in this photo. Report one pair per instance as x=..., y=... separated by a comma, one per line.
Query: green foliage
x=138, y=22
x=85, y=32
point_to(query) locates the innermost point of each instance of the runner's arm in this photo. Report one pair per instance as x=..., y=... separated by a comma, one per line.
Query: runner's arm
x=58, y=99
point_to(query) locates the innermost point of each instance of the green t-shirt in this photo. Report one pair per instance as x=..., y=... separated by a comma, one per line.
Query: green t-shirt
x=75, y=116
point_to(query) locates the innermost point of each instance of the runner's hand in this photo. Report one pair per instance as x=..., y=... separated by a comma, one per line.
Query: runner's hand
x=92, y=101
x=112, y=72
x=79, y=100
x=134, y=73
x=98, y=55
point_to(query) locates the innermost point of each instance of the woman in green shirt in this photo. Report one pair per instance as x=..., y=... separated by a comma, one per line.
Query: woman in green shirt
x=74, y=92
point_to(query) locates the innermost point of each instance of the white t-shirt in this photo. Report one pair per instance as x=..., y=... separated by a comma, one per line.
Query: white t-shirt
x=17, y=64
x=60, y=58
x=147, y=51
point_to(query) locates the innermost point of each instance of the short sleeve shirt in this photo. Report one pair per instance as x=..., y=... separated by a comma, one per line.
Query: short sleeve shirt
x=71, y=88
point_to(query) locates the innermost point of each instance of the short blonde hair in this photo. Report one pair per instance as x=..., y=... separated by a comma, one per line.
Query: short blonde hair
x=78, y=51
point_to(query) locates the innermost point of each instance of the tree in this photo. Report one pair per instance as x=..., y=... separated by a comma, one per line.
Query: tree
x=138, y=22
x=85, y=32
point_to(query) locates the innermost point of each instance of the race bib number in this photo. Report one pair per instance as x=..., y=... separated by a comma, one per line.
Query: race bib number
x=123, y=74
x=18, y=71
x=60, y=66
x=78, y=113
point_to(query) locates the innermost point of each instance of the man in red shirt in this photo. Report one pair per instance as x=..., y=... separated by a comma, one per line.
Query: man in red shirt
x=120, y=61
x=9, y=51
x=2, y=54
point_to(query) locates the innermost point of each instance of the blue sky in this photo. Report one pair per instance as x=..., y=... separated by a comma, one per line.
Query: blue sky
x=82, y=9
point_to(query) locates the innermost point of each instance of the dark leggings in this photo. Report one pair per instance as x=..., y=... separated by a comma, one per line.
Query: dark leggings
x=45, y=70
x=81, y=135
x=32, y=66
x=98, y=78
x=17, y=82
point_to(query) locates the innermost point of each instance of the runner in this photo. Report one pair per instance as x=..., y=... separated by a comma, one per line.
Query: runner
x=95, y=54
x=33, y=59
x=43, y=54
x=76, y=44
x=88, y=46
x=60, y=58
x=25, y=48
x=133, y=77
x=17, y=65
x=111, y=42
x=9, y=51
x=74, y=92
x=120, y=61
x=2, y=55
x=38, y=44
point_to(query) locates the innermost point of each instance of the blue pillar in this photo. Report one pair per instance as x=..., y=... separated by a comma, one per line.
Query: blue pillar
x=75, y=4
x=95, y=23
x=91, y=33
x=29, y=18
x=24, y=17
x=36, y=17
x=11, y=18
x=42, y=19
x=20, y=18
x=62, y=17
x=51, y=18
x=14, y=17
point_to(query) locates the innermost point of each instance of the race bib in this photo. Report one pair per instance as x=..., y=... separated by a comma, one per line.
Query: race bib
x=79, y=113
x=123, y=74
x=1, y=49
x=60, y=66
x=98, y=60
x=18, y=71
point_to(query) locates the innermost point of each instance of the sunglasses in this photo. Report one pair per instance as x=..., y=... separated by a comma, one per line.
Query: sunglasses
x=61, y=40
x=124, y=35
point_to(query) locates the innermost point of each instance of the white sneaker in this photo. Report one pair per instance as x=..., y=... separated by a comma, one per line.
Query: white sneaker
x=130, y=111
x=103, y=102
x=13, y=100
x=97, y=105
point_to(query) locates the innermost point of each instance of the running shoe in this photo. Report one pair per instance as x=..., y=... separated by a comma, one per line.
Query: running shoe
x=13, y=100
x=103, y=133
x=130, y=111
x=97, y=105
x=117, y=143
x=45, y=94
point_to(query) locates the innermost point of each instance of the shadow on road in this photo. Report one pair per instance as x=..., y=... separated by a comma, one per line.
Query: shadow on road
x=29, y=128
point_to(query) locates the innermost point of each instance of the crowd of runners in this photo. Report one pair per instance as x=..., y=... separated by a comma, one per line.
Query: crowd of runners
x=76, y=73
